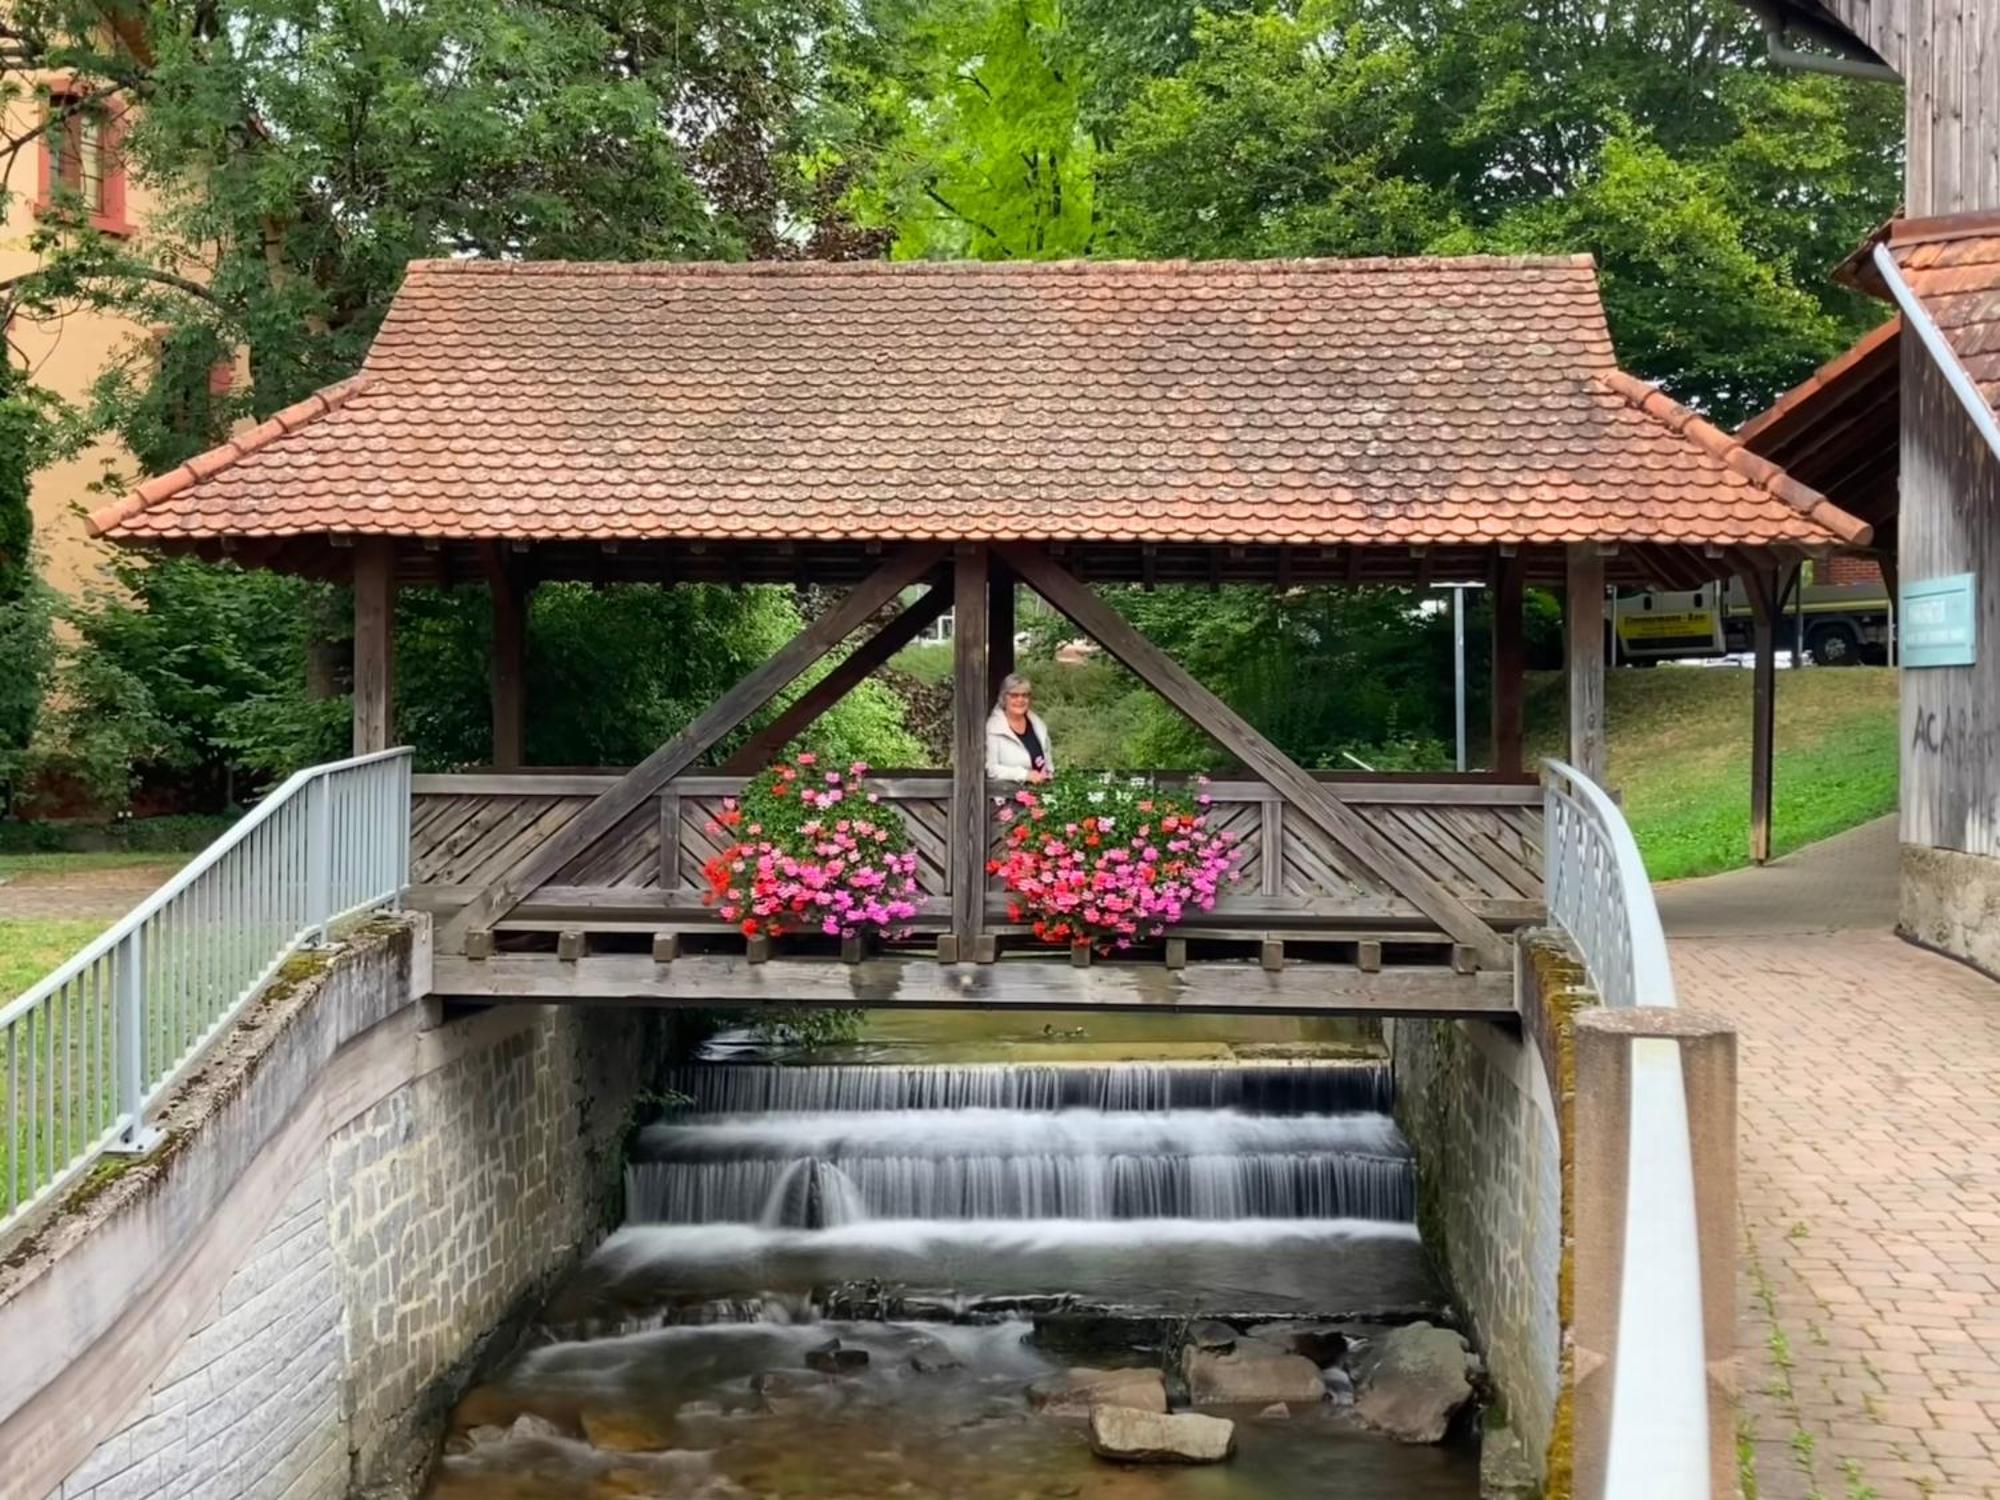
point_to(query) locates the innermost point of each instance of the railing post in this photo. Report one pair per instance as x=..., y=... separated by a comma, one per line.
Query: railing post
x=319, y=857
x=135, y=1138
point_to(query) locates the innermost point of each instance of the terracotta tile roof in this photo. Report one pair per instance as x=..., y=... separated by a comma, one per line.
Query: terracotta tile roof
x=1399, y=401
x=1953, y=267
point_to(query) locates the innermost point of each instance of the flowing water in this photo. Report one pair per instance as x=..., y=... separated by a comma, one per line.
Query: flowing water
x=971, y=1228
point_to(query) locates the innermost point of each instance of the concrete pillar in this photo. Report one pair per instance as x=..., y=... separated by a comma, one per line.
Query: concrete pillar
x=1601, y=1156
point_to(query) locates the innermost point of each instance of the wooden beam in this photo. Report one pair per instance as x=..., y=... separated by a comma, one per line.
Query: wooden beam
x=1000, y=629
x=1037, y=983
x=1583, y=635
x=508, y=666
x=374, y=644
x=1766, y=605
x=757, y=751
x=1510, y=664
x=1317, y=800
x=615, y=803
x=970, y=703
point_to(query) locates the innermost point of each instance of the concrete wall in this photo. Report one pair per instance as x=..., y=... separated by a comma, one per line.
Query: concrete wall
x=1480, y=1102
x=286, y=1299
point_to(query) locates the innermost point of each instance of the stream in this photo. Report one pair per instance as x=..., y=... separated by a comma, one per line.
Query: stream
x=937, y=1233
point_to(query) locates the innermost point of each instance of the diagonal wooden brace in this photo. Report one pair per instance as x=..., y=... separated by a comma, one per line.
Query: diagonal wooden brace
x=757, y=751
x=644, y=780
x=1234, y=733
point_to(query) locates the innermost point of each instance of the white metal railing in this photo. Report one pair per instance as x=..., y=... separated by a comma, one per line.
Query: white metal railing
x=87, y=1052
x=1599, y=896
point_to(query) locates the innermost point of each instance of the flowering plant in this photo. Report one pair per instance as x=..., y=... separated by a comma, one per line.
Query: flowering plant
x=1109, y=860
x=811, y=849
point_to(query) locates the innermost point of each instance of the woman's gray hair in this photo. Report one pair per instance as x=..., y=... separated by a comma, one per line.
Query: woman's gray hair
x=1013, y=682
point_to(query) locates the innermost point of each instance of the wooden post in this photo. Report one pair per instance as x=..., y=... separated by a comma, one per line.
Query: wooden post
x=507, y=670
x=374, y=643
x=1583, y=621
x=1765, y=607
x=999, y=629
x=1510, y=661
x=971, y=587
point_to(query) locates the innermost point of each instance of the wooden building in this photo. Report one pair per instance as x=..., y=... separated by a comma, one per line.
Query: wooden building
x=978, y=429
x=1903, y=432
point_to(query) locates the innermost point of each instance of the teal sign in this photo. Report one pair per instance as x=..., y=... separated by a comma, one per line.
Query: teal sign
x=1939, y=622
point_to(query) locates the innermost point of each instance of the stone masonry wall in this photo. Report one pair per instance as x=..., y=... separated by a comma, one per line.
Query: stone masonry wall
x=452, y=1205
x=1475, y=1102
x=252, y=1403
x=435, y=1181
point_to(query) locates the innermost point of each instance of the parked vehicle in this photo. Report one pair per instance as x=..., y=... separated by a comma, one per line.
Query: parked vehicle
x=1844, y=616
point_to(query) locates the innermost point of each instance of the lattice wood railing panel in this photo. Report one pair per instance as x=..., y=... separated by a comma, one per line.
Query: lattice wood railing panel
x=1482, y=842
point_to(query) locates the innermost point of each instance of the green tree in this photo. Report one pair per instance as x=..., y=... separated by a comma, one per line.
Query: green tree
x=981, y=150
x=25, y=645
x=1715, y=192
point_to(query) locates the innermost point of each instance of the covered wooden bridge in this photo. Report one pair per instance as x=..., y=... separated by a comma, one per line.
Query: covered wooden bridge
x=930, y=437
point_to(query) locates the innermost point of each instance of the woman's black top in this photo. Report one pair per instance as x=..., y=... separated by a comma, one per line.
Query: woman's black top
x=1031, y=742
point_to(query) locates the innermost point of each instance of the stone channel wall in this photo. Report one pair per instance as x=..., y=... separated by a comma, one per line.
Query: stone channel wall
x=1482, y=1102
x=355, y=1198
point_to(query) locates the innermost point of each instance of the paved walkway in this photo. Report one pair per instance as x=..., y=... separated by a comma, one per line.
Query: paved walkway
x=1869, y=1148
x=100, y=893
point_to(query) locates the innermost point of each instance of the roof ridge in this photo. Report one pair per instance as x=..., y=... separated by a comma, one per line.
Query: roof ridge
x=1655, y=403
x=1068, y=267
x=161, y=486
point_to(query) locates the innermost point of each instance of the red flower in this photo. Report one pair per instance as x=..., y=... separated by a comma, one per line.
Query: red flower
x=749, y=926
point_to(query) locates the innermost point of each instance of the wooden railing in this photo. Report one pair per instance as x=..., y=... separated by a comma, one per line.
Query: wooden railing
x=1481, y=838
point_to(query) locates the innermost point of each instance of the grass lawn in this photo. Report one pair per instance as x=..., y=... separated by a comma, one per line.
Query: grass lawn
x=64, y=864
x=1680, y=756
x=31, y=946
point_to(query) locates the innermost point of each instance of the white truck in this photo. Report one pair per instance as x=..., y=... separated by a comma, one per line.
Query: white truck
x=1845, y=620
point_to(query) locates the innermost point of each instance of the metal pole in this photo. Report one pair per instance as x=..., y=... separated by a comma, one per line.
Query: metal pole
x=1458, y=666
x=319, y=857
x=134, y=1138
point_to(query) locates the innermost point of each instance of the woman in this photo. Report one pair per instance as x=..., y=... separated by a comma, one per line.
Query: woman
x=1017, y=741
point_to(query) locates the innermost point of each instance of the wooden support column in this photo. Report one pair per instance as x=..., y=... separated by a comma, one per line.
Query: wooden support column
x=970, y=702
x=758, y=751
x=640, y=784
x=508, y=668
x=1766, y=605
x=374, y=644
x=1510, y=662
x=1583, y=633
x=999, y=629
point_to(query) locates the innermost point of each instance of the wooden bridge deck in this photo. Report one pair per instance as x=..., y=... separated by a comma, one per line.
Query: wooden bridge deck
x=1308, y=927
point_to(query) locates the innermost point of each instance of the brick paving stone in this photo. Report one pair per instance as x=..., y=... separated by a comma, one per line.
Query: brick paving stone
x=1869, y=1156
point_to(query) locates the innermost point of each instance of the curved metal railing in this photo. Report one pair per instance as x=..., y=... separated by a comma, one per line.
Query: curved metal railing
x=1598, y=894
x=89, y=1050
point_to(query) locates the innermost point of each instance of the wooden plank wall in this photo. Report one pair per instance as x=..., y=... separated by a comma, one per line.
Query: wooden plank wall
x=1952, y=108
x=1482, y=841
x=1950, y=523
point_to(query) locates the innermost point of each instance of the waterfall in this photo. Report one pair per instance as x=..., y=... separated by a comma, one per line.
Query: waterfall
x=822, y=1148
x=1264, y=1088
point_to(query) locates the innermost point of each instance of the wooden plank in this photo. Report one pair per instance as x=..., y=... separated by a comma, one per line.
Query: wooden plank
x=1271, y=848
x=507, y=668
x=670, y=841
x=615, y=803
x=1318, y=802
x=971, y=819
x=1766, y=605
x=762, y=747
x=1583, y=640
x=1000, y=628
x=374, y=644
x=515, y=784
x=1510, y=664
x=1233, y=987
